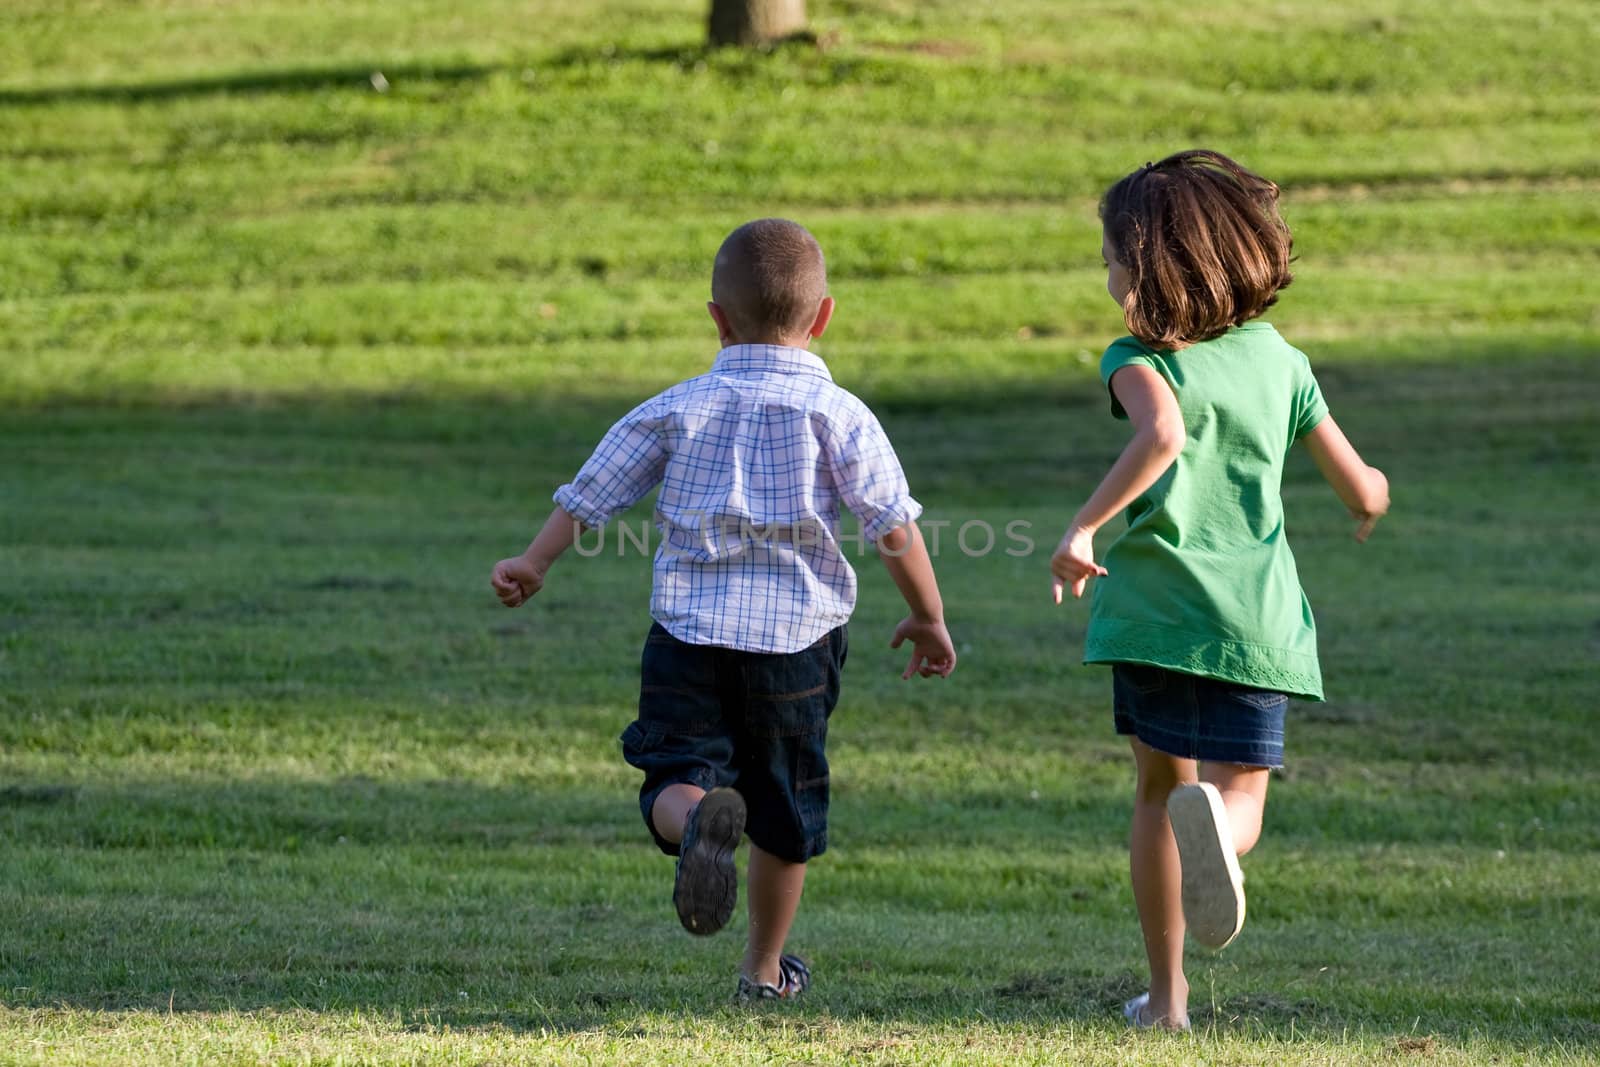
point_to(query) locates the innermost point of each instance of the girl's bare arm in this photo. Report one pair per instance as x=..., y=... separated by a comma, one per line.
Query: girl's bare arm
x=1363, y=489
x=1158, y=437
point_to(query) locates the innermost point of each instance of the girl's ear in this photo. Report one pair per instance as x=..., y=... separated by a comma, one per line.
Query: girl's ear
x=824, y=316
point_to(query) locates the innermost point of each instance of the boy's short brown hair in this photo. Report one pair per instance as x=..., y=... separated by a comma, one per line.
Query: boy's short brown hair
x=770, y=279
x=1203, y=243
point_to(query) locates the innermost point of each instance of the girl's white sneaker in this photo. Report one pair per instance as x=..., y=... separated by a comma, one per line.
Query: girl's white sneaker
x=1137, y=1012
x=1213, y=885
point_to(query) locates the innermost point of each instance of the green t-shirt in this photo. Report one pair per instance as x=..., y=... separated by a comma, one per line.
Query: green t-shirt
x=1203, y=581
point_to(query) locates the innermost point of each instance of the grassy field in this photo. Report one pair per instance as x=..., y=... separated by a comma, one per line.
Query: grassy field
x=289, y=361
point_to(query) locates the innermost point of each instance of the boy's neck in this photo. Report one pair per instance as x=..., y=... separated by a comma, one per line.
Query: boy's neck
x=788, y=342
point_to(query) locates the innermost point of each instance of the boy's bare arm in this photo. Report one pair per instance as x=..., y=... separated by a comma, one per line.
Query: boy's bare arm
x=906, y=556
x=1158, y=437
x=517, y=579
x=1363, y=489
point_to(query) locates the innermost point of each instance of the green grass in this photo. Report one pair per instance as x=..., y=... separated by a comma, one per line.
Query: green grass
x=289, y=363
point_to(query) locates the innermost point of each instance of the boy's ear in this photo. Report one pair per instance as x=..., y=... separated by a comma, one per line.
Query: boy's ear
x=720, y=317
x=824, y=316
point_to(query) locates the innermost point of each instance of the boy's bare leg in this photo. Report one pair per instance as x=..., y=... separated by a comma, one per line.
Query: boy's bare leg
x=772, y=888
x=1158, y=880
x=671, y=810
x=1244, y=794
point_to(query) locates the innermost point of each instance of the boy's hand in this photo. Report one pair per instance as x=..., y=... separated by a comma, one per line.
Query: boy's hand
x=1073, y=563
x=931, y=650
x=516, y=580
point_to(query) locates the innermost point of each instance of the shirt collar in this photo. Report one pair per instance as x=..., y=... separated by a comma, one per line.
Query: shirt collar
x=769, y=359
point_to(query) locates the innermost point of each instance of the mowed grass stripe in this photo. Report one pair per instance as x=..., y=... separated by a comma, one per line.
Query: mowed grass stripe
x=1043, y=161
x=1356, y=45
x=543, y=243
x=359, y=329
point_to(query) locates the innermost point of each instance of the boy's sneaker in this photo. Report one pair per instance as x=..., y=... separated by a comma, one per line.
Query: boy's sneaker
x=707, y=885
x=794, y=978
x=1213, y=886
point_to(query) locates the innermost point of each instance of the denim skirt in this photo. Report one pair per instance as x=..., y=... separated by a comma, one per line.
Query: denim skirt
x=1198, y=718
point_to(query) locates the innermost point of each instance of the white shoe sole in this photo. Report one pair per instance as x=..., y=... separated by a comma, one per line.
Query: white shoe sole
x=1213, y=885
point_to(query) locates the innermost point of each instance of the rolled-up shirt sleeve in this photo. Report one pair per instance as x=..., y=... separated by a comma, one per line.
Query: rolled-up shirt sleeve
x=869, y=479
x=627, y=464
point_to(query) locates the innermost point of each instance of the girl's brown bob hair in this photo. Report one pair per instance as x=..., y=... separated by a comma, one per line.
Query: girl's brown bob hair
x=1203, y=243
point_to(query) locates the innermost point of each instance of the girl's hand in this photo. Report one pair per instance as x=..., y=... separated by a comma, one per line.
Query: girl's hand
x=1073, y=563
x=1376, y=507
x=1363, y=489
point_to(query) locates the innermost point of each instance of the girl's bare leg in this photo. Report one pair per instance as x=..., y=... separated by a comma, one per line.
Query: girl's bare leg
x=1158, y=880
x=1244, y=793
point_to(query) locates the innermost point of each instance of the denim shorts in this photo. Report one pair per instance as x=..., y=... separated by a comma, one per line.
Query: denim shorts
x=757, y=721
x=1198, y=718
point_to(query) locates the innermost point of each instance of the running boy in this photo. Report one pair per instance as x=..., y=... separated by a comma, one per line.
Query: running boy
x=751, y=589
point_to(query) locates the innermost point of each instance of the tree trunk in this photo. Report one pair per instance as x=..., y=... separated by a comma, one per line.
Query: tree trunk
x=756, y=22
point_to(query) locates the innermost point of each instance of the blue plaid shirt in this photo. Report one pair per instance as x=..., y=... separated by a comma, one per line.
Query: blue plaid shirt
x=753, y=459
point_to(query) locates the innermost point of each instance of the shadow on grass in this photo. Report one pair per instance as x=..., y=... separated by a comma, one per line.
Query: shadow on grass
x=539, y=905
x=1476, y=370
x=360, y=76
x=248, y=83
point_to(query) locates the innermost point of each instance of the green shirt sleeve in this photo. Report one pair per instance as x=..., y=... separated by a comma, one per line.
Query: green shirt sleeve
x=1309, y=407
x=1125, y=352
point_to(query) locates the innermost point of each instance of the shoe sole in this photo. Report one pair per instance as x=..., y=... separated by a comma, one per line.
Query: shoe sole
x=707, y=885
x=1213, y=885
